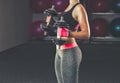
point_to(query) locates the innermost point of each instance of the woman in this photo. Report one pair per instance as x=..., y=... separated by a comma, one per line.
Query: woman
x=69, y=55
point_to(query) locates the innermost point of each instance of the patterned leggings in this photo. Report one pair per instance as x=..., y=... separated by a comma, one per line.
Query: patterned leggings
x=67, y=64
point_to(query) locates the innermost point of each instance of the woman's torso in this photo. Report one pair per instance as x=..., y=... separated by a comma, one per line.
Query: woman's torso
x=70, y=20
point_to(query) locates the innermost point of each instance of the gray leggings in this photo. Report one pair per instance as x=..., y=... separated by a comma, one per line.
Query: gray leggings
x=67, y=65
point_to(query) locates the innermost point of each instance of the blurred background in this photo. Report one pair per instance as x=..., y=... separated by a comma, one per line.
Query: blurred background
x=26, y=57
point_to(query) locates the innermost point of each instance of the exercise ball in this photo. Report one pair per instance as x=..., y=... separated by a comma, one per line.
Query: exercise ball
x=99, y=27
x=38, y=6
x=99, y=6
x=115, y=27
x=36, y=30
x=60, y=5
x=116, y=6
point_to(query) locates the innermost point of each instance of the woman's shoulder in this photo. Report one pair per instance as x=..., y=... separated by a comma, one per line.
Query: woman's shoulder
x=79, y=8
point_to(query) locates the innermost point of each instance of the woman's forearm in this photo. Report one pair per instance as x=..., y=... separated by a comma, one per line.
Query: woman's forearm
x=80, y=34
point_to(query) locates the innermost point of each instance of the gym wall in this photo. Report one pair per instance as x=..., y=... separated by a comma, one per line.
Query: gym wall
x=15, y=20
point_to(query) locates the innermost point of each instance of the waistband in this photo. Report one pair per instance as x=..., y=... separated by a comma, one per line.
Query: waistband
x=68, y=45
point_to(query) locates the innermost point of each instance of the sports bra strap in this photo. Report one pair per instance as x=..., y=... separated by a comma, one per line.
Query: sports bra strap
x=74, y=6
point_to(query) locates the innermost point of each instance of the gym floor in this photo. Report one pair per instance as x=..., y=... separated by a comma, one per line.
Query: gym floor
x=33, y=62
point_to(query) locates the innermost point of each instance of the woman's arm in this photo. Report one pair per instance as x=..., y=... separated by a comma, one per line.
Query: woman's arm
x=82, y=18
x=48, y=18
